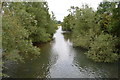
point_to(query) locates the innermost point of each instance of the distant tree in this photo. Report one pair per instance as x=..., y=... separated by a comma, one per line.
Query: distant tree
x=59, y=22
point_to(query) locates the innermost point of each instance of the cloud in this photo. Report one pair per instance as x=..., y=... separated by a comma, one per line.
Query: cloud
x=60, y=7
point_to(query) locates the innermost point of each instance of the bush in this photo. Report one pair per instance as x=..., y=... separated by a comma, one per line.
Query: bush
x=15, y=43
x=103, y=49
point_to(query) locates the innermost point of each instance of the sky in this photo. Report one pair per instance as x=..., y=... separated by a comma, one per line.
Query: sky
x=60, y=7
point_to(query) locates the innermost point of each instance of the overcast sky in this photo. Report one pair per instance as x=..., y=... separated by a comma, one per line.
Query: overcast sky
x=60, y=7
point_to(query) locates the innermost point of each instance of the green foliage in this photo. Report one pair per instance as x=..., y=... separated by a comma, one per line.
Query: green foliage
x=98, y=31
x=68, y=23
x=85, y=30
x=109, y=17
x=23, y=24
x=114, y=27
x=40, y=35
x=14, y=40
x=103, y=49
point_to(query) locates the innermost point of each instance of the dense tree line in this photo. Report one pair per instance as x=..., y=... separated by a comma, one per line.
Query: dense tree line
x=98, y=31
x=23, y=24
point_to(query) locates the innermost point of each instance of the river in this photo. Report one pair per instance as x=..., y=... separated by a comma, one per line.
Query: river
x=59, y=59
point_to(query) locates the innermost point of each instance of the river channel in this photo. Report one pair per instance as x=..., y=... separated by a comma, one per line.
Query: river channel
x=59, y=59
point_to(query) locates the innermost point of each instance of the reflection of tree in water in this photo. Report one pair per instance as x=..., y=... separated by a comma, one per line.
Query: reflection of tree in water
x=36, y=68
x=92, y=68
x=67, y=36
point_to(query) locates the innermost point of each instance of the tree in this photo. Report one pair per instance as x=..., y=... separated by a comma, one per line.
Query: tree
x=23, y=24
x=96, y=31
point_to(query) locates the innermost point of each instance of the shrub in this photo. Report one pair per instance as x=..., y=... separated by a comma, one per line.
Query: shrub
x=103, y=49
